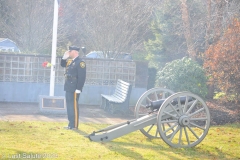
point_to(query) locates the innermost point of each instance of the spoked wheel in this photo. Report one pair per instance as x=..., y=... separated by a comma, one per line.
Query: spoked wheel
x=141, y=110
x=183, y=120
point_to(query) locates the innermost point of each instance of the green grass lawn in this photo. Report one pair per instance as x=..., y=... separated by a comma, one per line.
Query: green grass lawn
x=48, y=140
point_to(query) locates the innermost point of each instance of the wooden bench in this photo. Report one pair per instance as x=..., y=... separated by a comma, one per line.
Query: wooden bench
x=119, y=100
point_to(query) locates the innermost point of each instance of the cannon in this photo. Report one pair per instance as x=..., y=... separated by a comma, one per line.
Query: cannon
x=180, y=119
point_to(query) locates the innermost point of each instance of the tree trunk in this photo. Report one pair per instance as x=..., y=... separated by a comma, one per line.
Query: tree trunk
x=187, y=31
x=207, y=39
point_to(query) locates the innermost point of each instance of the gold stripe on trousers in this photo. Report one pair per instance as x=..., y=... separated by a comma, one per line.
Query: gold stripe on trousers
x=75, y=110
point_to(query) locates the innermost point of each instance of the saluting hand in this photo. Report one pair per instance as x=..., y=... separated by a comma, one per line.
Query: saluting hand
x=66, y=55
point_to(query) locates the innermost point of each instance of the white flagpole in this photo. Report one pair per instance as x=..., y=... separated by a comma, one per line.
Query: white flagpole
x=54, y=48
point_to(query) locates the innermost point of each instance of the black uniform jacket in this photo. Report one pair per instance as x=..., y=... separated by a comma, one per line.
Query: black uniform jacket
x=75, y=74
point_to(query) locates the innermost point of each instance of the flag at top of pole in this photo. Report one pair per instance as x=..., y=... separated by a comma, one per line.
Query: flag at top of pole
x=54, y=47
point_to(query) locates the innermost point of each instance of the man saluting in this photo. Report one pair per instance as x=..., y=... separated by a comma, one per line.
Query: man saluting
x=75, y=76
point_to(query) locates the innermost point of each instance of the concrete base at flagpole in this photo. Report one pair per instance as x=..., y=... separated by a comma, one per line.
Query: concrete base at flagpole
x=52, y=104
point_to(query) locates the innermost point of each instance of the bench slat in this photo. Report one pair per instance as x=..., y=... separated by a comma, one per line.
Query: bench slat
x=121, y=94
x=121, y=81
x=123, y=88
x=122, y=85
x=119, y=97
x=113, y=98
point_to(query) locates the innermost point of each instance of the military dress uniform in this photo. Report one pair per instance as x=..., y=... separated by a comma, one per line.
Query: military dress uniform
x=75, y=76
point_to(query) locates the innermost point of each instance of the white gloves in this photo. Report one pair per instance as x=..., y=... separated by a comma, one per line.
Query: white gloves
x=77, y=91
x=66, y=55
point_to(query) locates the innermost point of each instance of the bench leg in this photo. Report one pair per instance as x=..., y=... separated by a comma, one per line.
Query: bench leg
x=106, y=108
x=105, y=104
x=115, y=108
x=111, y=108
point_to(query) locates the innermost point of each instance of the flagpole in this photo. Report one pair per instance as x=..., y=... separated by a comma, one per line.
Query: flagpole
x=54, y=48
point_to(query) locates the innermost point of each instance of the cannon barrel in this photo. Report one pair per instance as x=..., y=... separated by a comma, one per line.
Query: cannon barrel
x=155, y=105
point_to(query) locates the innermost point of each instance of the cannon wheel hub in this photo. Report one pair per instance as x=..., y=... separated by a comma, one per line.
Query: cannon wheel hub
x=184, y=120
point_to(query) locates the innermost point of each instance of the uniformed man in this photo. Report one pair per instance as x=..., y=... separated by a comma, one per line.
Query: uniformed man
x=75, y=76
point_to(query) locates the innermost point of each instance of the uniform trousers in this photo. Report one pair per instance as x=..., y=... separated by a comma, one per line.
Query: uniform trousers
x=72, y=109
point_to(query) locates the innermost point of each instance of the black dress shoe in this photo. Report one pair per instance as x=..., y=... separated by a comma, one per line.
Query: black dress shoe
x=70, y=128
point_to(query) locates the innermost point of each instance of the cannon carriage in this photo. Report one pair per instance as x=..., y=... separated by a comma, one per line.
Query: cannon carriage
x=180, y=119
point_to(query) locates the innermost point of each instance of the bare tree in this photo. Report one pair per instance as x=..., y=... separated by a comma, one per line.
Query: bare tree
x=106, y=25
x=29, y=23
x=109, y=25
x=206, y=26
